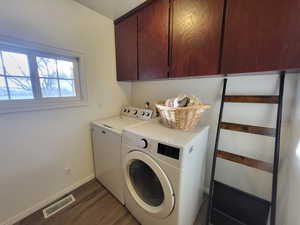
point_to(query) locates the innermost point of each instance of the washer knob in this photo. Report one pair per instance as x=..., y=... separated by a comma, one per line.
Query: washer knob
x=144, y=143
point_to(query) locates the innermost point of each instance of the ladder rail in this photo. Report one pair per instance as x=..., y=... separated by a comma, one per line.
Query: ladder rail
x=277, y=150
x=209, y=211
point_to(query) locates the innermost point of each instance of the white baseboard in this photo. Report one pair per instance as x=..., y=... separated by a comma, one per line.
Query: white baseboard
x=46, y=202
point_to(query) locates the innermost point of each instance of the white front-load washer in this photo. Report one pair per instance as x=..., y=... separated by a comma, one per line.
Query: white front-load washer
x=107, y=140
x=164, y=172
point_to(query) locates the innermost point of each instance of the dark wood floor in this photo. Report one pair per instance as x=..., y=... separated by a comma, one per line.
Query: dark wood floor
x=94, y=206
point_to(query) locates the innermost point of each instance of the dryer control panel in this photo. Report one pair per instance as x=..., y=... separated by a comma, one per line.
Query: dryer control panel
x=142, y=114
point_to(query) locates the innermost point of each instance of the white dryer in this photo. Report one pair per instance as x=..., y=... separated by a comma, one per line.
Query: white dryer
x=164, y=172
x=107, y=139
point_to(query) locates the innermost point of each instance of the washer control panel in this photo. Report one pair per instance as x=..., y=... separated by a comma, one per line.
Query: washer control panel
x=142, y=114
x=162, y=151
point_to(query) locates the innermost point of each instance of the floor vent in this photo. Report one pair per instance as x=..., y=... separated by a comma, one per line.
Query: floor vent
x=57, y=206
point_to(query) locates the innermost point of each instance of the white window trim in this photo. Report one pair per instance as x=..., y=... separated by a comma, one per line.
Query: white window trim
x=27, y=105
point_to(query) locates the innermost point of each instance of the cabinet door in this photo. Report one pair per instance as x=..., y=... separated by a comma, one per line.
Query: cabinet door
x=153, y=39
x=126, y=49
x=196, y=37
x=261, y=35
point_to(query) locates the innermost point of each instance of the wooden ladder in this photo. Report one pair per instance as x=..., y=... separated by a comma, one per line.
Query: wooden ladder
x=228, y=205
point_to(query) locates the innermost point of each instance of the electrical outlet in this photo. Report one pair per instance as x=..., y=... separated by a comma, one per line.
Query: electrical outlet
x=68, y=170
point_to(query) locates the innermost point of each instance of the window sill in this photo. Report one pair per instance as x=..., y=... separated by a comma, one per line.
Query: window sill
x=15, y=106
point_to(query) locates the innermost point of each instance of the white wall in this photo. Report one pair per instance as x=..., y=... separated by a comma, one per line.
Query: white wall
x=255, y=146
x=289, y=196
x=35, y=147
x=112, y=8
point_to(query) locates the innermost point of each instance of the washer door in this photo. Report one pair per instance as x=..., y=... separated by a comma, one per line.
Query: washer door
x=148, y=184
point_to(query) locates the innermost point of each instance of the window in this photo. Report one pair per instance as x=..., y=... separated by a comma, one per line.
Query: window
x=36, y=76
x=56, y=77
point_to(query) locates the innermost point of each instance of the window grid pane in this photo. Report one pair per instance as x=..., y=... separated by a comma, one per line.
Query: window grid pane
x=15, y=64
x=49, y=87
x=3, y=89
x=65, y=69
x=20, y=87
x=47, y=67
x=67, y=87
x=1, y=64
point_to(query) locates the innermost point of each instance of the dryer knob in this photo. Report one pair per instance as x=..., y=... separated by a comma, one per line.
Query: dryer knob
x=144, y=143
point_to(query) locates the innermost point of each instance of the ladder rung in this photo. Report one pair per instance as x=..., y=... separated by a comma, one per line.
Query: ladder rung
x=268, y=167
x=249, y=129
x=267, y=99
x=221, y=218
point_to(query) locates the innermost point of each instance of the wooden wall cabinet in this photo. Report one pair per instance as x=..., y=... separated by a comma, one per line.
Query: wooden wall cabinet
x=196, y=37
x=184, y=43
x=153, y=40
x=142, y=43
x=261, y=35
x=126, y=49
x=179, y=38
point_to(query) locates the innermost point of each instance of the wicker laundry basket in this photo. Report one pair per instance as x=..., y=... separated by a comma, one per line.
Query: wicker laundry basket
x=181, y=118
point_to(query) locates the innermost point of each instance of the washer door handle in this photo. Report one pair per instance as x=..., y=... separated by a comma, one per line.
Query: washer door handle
x=145, y=144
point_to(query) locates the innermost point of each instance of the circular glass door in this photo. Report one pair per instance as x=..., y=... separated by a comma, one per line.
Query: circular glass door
x=148, y=184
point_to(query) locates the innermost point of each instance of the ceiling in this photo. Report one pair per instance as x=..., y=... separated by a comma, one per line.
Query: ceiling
x=111, y=8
